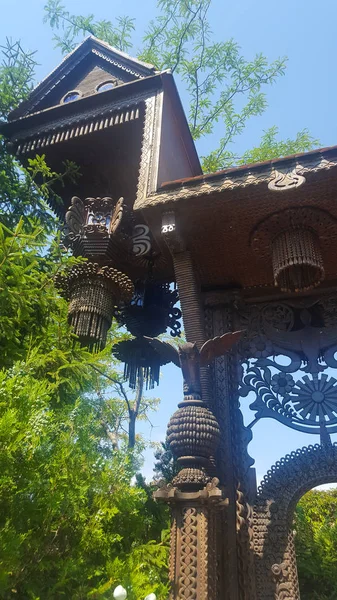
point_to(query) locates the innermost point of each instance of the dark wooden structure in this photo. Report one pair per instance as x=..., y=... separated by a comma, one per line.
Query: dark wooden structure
x=251, y=249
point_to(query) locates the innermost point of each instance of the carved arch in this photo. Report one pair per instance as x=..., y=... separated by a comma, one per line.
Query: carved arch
x=280, y=490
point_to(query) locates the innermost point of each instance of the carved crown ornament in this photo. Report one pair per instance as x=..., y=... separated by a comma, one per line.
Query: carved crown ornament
x=91, y=222
x=93, y=218
x=294, y=239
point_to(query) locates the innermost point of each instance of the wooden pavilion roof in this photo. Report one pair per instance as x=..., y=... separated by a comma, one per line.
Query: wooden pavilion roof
x=216, y=215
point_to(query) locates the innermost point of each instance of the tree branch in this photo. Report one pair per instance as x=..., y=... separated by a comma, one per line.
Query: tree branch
x=117, y=383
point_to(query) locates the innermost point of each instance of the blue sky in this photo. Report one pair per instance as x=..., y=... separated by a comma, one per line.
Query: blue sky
x=303, y=30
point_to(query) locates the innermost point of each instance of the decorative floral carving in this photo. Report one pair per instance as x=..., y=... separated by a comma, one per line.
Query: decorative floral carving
x=297, y=333
x=282, y=383
x=261, y=347
x=315, y=398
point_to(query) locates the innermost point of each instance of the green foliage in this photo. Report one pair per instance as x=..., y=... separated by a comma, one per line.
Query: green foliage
x=271, y=148
x=16, y=76
x=26, y=295
x=72, y=26
x=224, y=89
x=316, y=545
x=71, y=522
x=165, y=467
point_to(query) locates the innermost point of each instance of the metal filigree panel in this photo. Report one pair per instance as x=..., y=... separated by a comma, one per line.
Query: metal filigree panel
x=287, y=359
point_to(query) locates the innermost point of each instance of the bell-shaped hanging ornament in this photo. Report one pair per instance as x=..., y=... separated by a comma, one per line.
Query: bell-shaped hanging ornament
x=295, y=237
x=94, y=294
x=297, y=260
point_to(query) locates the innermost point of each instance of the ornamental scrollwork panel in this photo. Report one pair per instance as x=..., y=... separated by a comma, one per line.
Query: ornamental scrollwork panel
x=286, y=361
x=273, y=511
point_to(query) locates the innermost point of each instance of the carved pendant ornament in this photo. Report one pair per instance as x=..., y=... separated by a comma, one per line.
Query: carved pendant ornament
x=150, y=313
x=99, y=229
x=294, y=239
x=94, y=294
x=287, y=357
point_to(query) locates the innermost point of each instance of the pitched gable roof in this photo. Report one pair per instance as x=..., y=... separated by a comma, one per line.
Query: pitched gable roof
x=90, y=46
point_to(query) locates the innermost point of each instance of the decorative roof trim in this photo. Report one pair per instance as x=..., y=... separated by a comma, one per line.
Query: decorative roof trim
x=91, y=45
x=82, y=117
x=119, y=64
x=253, y=175
x=64, y=134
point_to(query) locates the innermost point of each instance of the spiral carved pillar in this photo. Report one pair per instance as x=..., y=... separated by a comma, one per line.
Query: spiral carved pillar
x=194, y=496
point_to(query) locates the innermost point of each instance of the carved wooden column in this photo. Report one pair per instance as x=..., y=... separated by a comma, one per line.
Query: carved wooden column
x=194, y=496
x=189, y=292
x=193, y=532
x=235, y=556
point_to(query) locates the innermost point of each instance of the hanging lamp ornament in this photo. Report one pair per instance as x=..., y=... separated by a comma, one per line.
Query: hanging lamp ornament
x=152, y=310
x=294, y=238
x=150, y=313
x=297, y=260
x=139, y=357
x=94, y=294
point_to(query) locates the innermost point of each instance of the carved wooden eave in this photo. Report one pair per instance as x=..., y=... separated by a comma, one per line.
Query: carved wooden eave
x=140, y=121
x=248, y=175
x=215, y=216
x=121, y=104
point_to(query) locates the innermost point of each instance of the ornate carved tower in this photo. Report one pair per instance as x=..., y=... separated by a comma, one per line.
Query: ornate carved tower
x=251, y=250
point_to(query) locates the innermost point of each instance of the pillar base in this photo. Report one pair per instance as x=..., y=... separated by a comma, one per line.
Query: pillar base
x=193, y=540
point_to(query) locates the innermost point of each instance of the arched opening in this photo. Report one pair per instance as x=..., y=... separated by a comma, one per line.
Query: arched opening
x=273, y=522
x=315, y=525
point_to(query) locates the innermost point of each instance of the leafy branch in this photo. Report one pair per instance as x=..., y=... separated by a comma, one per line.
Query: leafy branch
x=224, y=89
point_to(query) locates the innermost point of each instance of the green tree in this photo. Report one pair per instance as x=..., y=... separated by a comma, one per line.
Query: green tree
x=224, y=90
x=71, y=523
x=316, y=545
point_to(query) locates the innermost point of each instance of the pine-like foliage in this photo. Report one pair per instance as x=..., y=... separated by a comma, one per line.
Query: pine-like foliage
x=316, y=545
